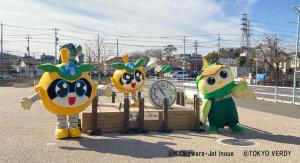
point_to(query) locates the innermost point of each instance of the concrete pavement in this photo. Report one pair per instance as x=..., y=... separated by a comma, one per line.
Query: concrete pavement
x=28, y=136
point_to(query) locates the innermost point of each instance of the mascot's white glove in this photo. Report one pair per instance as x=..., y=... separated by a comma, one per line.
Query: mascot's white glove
x=104, y=90
x=26, y=103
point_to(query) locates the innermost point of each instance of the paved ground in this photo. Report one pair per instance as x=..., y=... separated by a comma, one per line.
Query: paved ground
x=27, y=136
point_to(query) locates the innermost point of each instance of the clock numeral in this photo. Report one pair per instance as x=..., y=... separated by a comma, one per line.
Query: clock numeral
x=155, y=89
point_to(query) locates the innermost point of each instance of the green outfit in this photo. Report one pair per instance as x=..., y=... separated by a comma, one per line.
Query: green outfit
x=223, y=110
x=223, y=113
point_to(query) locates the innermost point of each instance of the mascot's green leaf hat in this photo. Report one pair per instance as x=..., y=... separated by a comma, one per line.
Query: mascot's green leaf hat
x=129, y=66
x=66, y=70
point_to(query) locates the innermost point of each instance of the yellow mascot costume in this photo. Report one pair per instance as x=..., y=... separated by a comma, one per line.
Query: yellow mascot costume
x=65, y=90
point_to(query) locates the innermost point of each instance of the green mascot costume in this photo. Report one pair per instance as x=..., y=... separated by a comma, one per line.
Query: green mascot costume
x=217, y=86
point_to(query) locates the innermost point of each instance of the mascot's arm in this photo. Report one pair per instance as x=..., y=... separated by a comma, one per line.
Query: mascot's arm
x=26, y=102
x=242, y=91
x=104, y=90
x=205, y=108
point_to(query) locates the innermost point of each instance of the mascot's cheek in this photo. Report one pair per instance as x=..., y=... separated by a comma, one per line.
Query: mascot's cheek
x=74, y=102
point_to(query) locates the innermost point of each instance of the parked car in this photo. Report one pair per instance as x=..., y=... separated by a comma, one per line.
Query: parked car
x=5, y=76
x=193, y=74
x=180, y=74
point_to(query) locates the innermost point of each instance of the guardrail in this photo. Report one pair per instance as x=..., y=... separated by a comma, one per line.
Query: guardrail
x=268, y=93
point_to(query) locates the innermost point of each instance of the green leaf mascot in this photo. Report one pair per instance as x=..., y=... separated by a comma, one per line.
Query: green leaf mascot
x=217, y=86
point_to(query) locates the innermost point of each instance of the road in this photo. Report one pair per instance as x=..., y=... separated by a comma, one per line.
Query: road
x=28, y=136
x=284, y=93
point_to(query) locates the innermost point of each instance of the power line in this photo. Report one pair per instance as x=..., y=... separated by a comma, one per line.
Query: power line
x=23, y=27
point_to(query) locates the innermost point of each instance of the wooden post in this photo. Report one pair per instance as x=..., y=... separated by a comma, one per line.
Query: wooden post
x=161, y=74
x=113, y=97
x=139, y=95
x=94, y=119
x=165, y=125
x=197, y=127
x=178, y=98
x=141, y=127
x=126, y=116
x=195, y=96
x=182, y=102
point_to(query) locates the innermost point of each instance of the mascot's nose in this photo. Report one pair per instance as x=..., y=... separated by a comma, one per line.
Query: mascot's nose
x=71, y=100
x=220, y=82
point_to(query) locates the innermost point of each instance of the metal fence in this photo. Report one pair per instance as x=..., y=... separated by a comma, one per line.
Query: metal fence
x=268, y=93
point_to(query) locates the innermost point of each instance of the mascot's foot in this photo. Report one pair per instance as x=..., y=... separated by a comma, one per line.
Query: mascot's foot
x=237, y=129
x=61, y=133
x=74, y=132
x=137, y=103
x=213, y=129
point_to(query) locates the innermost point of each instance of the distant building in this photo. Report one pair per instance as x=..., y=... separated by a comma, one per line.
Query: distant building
x=191, y=62
x=228, y=62
x=241, y=71
x=47, y=59
x=7, y=61
x=27, y=65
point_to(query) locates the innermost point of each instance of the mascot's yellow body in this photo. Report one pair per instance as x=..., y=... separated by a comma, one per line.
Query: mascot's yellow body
x=65, y=90
x=129, y=77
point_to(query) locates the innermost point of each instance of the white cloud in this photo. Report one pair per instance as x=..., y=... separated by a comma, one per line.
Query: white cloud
x=122, y=17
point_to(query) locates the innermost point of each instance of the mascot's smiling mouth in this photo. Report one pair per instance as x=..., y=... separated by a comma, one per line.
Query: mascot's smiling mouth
x=133, y=85
x=71, y=100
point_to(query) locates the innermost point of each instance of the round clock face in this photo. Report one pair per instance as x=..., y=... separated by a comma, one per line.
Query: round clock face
x=160, y=89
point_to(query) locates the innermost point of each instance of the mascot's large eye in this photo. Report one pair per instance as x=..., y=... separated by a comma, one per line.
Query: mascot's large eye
x=127, y=78
x=223, y=74
x=62, y=88
x=80, y=88
x=138, y=75
x=211, y=80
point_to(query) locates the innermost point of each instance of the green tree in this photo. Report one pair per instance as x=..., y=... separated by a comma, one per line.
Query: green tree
x=169, y=50
x=212, y=58
x=242, y=61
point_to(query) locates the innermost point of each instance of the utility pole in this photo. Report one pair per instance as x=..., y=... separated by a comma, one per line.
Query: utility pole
x=1, y=57
x=117, y=46
x=31, y=64
x=219, y=44
x=28, y=45
x=184, y=45
x=196, y=47
x=56, y=43
x=296, y=55
x=98, y=54
x=196, y=54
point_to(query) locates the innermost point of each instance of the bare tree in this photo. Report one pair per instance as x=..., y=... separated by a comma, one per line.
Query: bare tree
x=270, y=52
x=98, y=51
x=157, y=53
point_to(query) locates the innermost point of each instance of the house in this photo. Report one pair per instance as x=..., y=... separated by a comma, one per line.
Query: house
x=7, y=61
x=241, y=71
x=27, y=66
x=230, y=62
x=47, y=59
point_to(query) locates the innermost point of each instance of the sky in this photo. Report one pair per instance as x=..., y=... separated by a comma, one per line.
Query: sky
x=144, y=24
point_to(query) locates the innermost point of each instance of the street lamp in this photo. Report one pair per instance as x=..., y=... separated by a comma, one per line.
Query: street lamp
x=296, y=54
